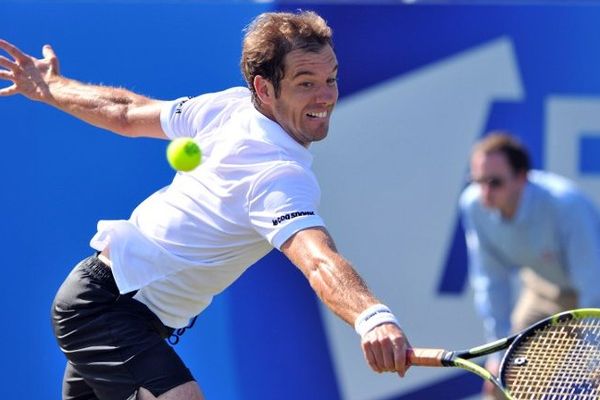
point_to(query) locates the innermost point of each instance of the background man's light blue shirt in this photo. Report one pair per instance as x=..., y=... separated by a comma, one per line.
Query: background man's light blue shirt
x=555, y=232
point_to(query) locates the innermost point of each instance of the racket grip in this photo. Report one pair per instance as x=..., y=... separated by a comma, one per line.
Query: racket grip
x=425, y=357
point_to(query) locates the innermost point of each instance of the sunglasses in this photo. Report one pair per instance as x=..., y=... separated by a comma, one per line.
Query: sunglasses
x=493, y=182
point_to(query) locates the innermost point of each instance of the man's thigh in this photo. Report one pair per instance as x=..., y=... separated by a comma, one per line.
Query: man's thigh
x=187, y=391
x=113, y=342
x=539, y=299
x=74, y=386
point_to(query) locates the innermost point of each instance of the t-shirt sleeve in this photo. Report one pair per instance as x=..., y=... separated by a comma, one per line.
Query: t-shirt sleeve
x=581, y=237
x=284, y=201
x=190, y=116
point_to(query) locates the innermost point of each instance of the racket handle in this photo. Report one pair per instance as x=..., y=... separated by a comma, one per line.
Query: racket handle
x=425, y=357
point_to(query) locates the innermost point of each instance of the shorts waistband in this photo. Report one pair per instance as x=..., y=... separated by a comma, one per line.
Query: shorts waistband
x=98, y=269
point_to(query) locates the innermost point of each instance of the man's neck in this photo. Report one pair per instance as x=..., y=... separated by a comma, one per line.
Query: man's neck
x=509, y=212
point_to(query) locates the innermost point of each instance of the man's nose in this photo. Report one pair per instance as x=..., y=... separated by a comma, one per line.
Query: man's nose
x=327, y=94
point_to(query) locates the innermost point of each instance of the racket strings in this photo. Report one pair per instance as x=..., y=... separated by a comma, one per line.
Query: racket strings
x=557, y=362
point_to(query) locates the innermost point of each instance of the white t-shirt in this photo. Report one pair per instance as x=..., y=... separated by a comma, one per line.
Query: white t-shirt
x=190, y=240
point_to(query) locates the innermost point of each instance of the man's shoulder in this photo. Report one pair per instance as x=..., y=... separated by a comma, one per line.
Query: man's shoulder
x=560, y=191
x=286, y=170
x=553, y=185
x=235, y=92
x=550, y=181
x=204, y=107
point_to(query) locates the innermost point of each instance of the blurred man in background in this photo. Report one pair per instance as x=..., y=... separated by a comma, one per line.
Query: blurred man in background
x=533, y=224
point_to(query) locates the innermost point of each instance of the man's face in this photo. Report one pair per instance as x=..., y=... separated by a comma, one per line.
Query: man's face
x=308, y=93
x=500, y=187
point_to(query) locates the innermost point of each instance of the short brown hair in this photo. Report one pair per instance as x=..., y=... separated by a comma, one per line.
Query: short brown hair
x=504, y=142
x=273, y=35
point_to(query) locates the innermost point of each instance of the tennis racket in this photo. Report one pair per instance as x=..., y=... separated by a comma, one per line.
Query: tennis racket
x=557, y=358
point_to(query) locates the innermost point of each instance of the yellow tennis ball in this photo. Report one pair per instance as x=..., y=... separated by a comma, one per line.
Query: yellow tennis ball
x=184, y=154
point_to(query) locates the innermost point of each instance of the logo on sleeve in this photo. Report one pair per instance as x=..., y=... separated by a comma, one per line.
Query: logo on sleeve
x=291, y=215
x=179, y=107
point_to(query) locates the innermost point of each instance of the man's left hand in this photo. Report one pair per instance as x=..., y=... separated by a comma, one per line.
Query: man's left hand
x=384, y=348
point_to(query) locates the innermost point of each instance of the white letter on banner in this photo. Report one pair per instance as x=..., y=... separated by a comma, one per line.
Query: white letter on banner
x=572, y=123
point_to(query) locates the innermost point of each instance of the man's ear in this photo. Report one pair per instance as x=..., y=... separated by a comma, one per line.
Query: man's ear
x=522, y=177
x=264, y=90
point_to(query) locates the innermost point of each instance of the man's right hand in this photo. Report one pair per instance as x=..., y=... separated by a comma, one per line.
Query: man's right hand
x=30, y=76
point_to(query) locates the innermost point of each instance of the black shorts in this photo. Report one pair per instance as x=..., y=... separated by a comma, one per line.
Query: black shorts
x=113, y=343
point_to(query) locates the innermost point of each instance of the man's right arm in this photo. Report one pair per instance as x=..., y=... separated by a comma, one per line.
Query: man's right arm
x=580, y=236
x=490, y=281
x=344, y=292
x=115, y=109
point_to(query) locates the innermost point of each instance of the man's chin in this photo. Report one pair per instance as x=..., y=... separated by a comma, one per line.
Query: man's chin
x=318, y=138
x=321, y=133
x=491, y=206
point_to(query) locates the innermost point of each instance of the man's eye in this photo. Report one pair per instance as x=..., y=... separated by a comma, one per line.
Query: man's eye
x=332, y=81
x=306, y=84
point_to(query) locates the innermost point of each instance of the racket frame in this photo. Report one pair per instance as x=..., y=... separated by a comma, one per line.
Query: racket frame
x=460, y=359
x=516, y=340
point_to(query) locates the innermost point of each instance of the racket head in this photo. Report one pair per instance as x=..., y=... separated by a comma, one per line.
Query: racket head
x=556, y=358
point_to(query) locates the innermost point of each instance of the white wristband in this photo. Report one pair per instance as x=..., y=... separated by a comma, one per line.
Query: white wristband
x=373, y=316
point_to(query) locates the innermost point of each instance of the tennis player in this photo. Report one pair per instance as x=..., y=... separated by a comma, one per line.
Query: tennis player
x=187, y=242
x=529, y=224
